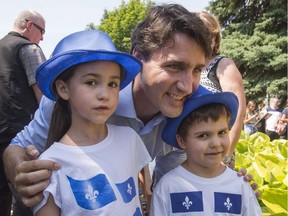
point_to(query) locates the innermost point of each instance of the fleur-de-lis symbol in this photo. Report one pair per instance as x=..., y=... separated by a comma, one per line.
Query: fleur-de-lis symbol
x=92, y=194
x=187, y=203
x=129, y=189
x=228, y=204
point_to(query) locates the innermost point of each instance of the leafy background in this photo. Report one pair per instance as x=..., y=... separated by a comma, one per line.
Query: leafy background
x=267, y=162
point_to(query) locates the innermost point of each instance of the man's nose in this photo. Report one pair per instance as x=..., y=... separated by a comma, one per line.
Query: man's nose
x=185, y=83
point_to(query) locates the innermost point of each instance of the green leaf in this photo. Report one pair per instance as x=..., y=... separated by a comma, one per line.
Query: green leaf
x=275, y=200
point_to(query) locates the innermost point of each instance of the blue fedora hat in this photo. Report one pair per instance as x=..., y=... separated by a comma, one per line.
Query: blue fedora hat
x=201, y=97
x=80, y=47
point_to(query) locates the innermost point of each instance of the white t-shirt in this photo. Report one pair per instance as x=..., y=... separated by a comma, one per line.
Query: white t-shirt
x=179, y=192
x=273, y=119
x=101, y=179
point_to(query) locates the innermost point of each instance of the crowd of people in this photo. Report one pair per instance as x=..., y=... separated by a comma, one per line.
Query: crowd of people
x=271, y=120
x=69, y=149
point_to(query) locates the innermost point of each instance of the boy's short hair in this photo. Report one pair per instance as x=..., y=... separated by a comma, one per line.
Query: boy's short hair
x=212, y=111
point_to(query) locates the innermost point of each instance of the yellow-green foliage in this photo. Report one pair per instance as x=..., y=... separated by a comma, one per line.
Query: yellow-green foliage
x=267, y=162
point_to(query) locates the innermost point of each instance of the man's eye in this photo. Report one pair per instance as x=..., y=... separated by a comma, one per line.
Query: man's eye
x=198, y=70
x=174, y=67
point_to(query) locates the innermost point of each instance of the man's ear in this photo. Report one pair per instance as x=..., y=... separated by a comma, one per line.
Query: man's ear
x=137, y=54
x=62, y=89
x=181, y=141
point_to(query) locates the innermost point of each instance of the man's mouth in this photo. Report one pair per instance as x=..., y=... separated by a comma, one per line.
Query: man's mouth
x=175, y=97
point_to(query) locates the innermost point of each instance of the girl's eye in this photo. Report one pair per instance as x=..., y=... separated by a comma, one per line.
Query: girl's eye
x=91, y=82
x=114, y=84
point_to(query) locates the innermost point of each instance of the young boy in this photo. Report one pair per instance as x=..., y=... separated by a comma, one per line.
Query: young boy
x=203, y=185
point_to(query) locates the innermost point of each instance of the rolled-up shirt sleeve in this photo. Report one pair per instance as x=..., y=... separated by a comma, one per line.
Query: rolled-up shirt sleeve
x=31, y=57
x=36, y=132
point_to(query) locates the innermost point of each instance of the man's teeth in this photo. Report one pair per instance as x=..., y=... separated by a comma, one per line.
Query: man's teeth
x=175, y=97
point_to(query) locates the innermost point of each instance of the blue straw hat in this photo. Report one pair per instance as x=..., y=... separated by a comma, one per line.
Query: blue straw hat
x=80, y=47
x=200, y=98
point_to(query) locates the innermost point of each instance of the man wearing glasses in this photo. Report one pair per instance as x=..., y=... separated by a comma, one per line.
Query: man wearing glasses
x=20, y=55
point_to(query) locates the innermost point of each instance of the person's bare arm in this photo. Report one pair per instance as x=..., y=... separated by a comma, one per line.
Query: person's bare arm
x=251, y=118
x=284, y=118
x=231, y=80
x=28, y=175
x=37, y=92
x=49, y=209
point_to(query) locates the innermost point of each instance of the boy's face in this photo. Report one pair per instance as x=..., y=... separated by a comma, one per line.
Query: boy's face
x=92, y=91
x=206, y=144
x=172, y=74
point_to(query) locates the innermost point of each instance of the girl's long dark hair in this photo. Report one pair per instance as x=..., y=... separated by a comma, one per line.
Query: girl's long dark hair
x=61, y=117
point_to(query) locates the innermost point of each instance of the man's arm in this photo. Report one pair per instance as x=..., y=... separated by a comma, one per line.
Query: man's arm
x=27, y=175
x=12, y=156
x=31, y=57
x=38, y=94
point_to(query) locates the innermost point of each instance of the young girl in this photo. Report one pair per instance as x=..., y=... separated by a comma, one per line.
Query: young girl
x=99, y=162
x=203, y=185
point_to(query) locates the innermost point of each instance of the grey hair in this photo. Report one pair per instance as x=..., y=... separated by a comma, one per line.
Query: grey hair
x=20, y=21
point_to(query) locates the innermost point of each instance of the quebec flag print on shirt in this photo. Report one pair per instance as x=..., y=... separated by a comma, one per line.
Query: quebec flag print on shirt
x=92, y=193
x=127, y=190
x=187, y=202
x=230, y=203
x=193, y=202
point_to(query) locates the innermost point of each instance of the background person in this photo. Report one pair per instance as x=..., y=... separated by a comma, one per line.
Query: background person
x=261, y=110
x=202, y=184
x=281, y=126
x=271, y=122
x=251, y=118
x=222, y=74
x=20, y=55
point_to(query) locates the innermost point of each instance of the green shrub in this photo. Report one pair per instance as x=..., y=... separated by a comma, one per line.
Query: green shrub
x=267, y=162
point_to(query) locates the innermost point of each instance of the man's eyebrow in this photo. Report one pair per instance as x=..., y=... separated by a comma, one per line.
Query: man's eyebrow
x=200, y=65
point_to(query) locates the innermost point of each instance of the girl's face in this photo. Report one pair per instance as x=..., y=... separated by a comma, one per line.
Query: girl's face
x=92, y=91
x=251, y=107
x=206, y=144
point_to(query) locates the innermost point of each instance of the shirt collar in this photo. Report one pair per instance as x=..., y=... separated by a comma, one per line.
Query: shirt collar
x=126, y=97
